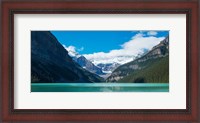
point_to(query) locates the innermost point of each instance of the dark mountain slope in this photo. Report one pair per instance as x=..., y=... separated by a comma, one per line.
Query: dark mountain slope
x=157, y=72
x=50, y=62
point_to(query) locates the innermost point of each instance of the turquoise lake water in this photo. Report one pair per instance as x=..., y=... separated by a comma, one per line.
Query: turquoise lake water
x=99, y=87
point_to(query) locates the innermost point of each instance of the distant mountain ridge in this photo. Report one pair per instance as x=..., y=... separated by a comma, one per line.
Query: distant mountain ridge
x=51, y=63
x=109, y=67
x=157, y=55
x=102, y=69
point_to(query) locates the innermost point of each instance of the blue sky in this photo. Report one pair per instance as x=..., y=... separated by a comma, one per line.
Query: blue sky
x=109, y=46
x=87, y=42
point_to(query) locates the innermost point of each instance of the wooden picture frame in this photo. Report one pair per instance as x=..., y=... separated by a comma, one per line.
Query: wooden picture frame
x=11, y=7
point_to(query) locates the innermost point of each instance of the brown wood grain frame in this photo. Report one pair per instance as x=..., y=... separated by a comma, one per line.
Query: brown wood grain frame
x=188, y=7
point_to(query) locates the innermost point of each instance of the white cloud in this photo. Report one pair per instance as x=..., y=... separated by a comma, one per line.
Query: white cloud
x=152, y=33
x=72, y=50
x=138, y=35
x=127, y=52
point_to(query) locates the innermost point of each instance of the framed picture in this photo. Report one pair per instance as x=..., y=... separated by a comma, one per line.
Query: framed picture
x=140, y=65
x=100, y=61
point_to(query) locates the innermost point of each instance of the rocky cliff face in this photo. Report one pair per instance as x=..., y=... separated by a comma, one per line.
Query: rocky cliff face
x=88, y=65
x=160, y=50
x=50, y=62
x=155, y=54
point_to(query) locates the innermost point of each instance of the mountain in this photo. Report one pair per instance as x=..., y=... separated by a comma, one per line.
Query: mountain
x=108, y=67
x=103, y=69
x=153, y=66
x=50, y=62
x=156, y=72
x=88, y=65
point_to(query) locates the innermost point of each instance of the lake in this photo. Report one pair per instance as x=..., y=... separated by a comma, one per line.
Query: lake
x=99, y=87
